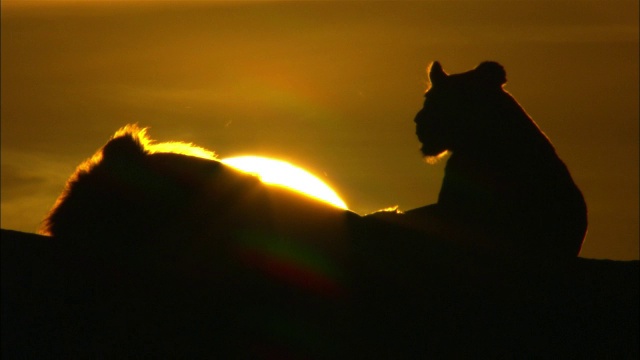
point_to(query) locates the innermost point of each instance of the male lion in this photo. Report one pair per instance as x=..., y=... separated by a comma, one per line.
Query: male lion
x=505, y=189
x=184, y=256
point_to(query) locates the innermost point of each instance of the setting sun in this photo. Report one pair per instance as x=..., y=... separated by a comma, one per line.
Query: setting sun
x=277, y=172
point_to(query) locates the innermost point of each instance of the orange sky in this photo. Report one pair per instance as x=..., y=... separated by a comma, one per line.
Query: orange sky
x=330, y=86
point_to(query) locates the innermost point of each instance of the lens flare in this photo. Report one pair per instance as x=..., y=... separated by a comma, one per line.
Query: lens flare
x=282, y=173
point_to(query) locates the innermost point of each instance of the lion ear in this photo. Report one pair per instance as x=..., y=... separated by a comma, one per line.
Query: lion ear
x=436, y=74
x=123, y=146
x=491, y=73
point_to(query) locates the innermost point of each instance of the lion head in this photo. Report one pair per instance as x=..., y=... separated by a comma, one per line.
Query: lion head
x=454, y=105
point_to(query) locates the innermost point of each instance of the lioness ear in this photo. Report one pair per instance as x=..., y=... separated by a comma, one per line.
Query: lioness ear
x=436, y=74
x=491, y=73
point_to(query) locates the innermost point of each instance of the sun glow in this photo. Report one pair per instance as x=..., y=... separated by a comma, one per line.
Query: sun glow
x=277, y=172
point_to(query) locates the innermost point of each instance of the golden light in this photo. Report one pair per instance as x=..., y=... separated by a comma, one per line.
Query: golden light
x=282, y=173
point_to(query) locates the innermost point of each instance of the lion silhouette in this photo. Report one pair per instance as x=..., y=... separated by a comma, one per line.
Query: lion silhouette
x=504, y=187
x=168, y=218
x=136, y=194
x=135, y=189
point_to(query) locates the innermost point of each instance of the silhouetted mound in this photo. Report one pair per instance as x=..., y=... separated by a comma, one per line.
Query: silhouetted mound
x=161, y=251
x=407, y=299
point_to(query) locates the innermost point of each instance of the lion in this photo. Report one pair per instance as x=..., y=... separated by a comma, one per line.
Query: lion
x=135, y=189
x=168, y=218
x=505, y=188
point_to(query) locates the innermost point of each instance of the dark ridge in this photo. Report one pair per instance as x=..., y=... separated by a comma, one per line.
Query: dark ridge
x=61, y=301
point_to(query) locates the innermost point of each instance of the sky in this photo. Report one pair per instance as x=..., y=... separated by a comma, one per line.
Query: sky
x=331, y=86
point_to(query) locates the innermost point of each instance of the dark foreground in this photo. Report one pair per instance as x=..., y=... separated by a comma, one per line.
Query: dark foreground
x=397, y=297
